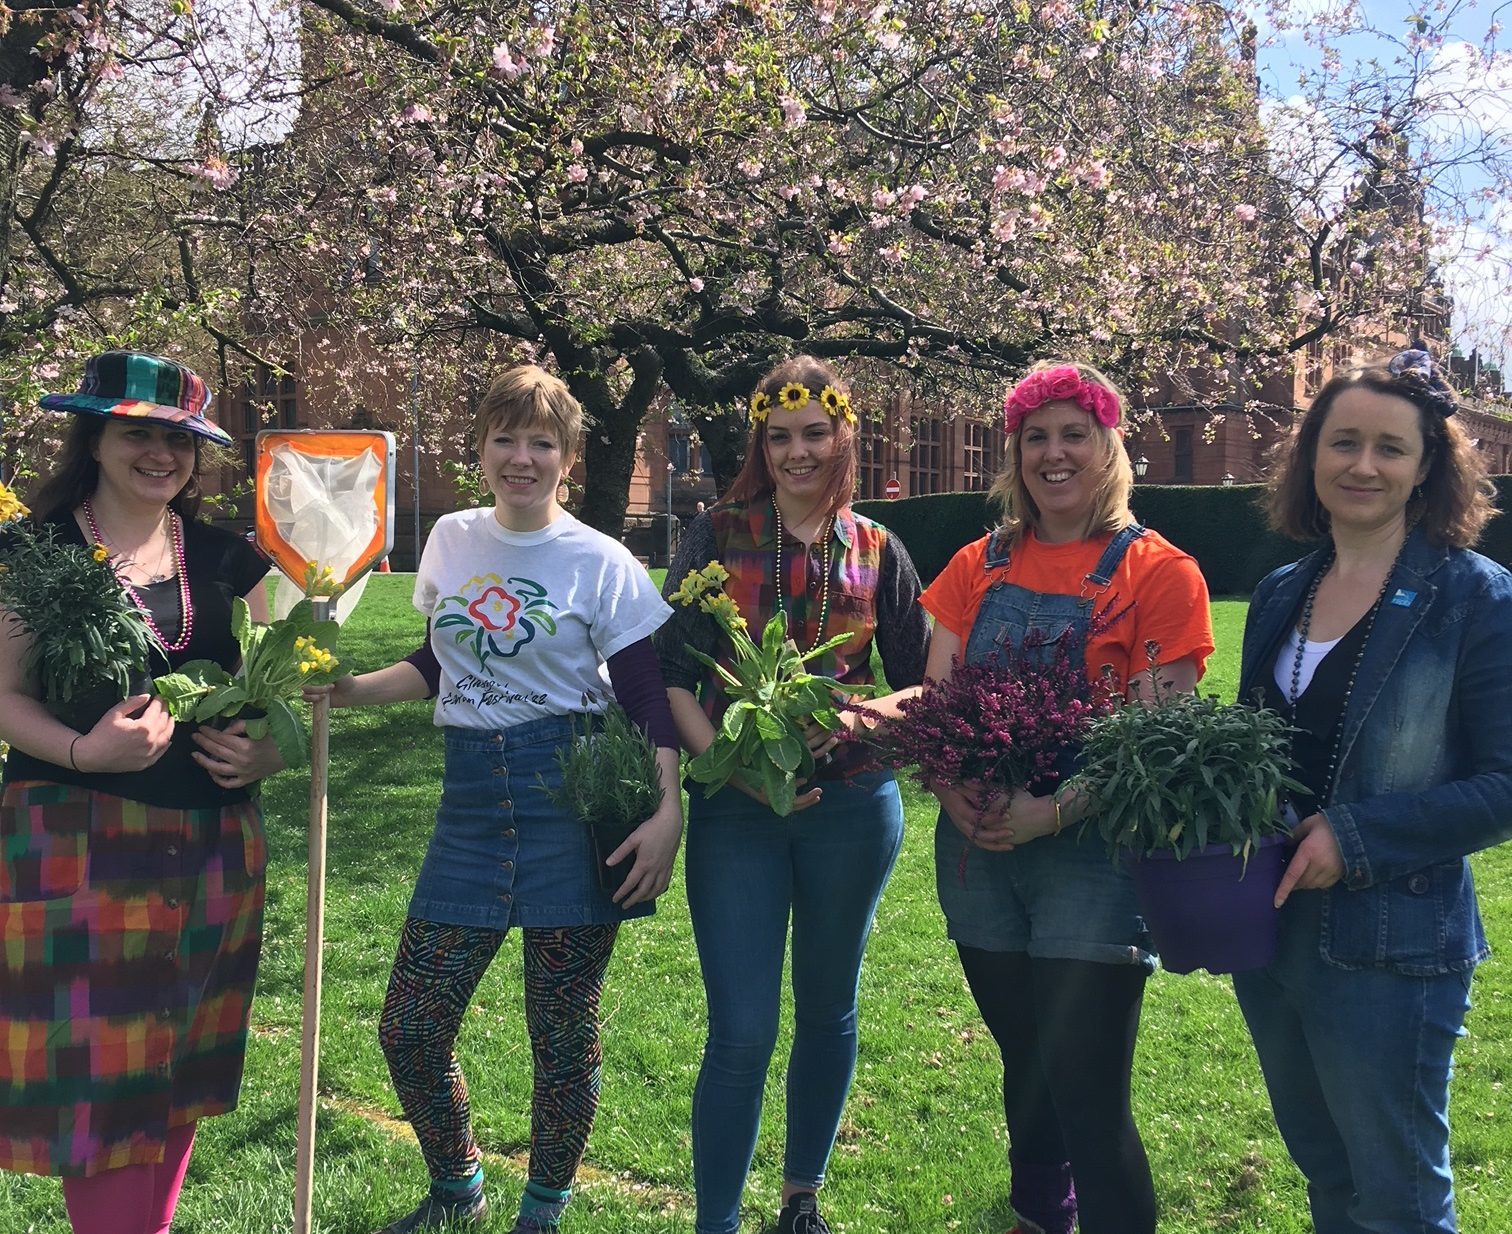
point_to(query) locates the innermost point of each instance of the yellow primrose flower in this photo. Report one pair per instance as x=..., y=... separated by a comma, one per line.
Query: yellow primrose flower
x=794, y=396
x=99, y=552
x=716, y=573
x=11, y=506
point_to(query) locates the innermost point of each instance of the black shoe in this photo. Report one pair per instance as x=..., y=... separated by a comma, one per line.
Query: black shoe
x=435, y=1212
x=800, y=1215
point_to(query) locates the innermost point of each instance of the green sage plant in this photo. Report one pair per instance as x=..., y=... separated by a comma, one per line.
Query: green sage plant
x=1182, y=772
x=278, y=660
x=609, y=772
x=85, y=630
x=760, y=739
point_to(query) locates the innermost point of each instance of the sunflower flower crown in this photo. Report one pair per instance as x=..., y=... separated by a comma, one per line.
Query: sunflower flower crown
x=795, y=396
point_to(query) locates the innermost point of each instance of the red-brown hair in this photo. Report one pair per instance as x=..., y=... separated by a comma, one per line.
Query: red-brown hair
x=755, y=479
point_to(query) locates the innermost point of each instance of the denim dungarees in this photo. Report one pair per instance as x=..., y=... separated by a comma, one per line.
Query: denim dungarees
x=1058, y=897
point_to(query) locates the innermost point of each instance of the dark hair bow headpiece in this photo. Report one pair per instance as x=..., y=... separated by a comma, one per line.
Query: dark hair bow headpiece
x=1416, y=366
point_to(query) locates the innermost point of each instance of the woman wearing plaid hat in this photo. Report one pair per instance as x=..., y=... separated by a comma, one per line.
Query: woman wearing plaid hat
x=131, y=853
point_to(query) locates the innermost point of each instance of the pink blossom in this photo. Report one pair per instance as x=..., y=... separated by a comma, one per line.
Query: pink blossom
x=9, y=98
x=389, y=6
x=890, y=40
x=1055, y=157
x=217, y=173
x=541, y=41
x=751, y=169
x=415, y=113
x=1245, y=212
x=881, y=199
x=577, y=174
x=788, y=191
x=506, y=64
x=695, y=284
x=793, y=113
x=910, y=197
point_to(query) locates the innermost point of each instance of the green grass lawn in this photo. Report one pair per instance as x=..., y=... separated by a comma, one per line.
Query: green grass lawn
x=922, y=1146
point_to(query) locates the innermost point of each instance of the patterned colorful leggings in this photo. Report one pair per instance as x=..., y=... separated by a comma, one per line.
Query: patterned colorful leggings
x=435, y=973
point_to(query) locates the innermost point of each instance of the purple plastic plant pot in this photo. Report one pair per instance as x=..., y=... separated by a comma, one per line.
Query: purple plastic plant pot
x=1210, y=911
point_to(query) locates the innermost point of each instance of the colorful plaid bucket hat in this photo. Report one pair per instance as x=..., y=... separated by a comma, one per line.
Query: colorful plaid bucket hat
x=132, y=385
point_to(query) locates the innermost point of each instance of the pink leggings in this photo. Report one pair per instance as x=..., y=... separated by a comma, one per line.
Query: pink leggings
x=135, y=1199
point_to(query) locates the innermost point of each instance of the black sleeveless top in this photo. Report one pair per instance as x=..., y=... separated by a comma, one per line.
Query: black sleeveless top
x=222, y=566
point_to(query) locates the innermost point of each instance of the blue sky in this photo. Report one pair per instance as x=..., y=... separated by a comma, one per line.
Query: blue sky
x=1476, y=265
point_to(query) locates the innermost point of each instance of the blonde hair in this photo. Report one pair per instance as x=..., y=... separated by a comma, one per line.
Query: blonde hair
x=527, y=396
x=1110, y=501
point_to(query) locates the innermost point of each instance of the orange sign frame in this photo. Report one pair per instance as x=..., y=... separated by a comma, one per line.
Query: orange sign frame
x=327, y=443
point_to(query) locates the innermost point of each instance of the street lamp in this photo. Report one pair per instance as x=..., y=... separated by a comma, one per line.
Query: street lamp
x=1141, y=466
x=670, y=469
x=1228, y=479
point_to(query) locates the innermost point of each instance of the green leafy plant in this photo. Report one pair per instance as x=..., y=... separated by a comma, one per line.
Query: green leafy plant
x=85, y=630
x=760, y=739
x=1183, y=772
x=278, y=660
x=609, y=773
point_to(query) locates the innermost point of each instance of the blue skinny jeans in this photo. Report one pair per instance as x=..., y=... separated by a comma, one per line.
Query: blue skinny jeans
x=748, y=873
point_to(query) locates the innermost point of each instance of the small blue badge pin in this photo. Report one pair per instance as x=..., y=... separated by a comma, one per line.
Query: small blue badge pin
x=1403, y=597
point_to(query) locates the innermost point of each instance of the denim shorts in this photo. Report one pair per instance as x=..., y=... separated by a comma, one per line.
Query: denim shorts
x=1056, y=898
x=502, y=854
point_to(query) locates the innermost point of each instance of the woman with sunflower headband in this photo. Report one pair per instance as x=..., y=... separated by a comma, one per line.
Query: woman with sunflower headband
x=790, y=542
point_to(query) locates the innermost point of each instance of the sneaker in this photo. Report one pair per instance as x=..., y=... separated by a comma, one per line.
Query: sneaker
x=800, y=1215
x=435, y=1212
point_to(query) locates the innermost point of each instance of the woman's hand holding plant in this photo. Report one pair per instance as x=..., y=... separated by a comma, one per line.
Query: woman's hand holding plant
x=652, y=847
x=131, y=736
x=234, y=759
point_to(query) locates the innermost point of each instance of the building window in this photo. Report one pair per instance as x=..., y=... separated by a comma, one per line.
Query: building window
x=1312, y=374
x=680, y=453
x=1183, y=453
x=869, y=443
x=267, y=401
x=924, y=462
x=982, y=455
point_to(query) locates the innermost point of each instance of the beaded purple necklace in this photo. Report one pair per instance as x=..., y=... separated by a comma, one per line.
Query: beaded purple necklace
x=176, y=524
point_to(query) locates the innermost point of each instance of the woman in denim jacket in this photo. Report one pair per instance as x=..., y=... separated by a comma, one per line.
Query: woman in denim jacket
x=1389, y=648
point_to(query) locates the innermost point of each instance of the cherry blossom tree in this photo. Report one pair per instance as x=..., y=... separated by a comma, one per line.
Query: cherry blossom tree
x=662, y=196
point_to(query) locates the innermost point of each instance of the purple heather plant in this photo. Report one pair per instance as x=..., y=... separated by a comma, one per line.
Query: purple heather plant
x=1002, y=725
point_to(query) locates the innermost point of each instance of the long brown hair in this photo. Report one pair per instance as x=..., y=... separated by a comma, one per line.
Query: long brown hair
x=1454, y=502
x=77, y=474
x=755, y=479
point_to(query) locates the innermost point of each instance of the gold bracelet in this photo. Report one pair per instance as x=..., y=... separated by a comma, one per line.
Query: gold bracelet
x=1055, y=801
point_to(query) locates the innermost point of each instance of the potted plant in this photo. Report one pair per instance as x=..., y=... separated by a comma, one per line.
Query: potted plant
x=1188, y=791
x=610, y=781
x=995, y=725
x=278, y=660
x=89, y=641
x=760, y=738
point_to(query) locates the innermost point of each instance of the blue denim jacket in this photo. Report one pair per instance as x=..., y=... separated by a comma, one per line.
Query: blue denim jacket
x=1425, y=758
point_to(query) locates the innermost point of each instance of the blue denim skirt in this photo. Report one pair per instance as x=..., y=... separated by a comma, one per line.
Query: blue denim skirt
x=502, y=854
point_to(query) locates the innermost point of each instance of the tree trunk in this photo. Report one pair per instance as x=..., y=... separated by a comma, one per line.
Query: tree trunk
x=609, y=450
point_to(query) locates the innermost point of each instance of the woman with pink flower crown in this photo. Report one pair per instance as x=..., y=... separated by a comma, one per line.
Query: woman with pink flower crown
x=1047, y=929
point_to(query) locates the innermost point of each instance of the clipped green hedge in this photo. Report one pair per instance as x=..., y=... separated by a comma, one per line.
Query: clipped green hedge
x=1223, y=528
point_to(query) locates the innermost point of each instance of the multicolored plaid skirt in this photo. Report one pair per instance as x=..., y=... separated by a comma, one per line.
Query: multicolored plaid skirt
x=129, y=940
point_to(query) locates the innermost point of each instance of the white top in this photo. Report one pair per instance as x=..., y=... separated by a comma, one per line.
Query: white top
x=522, y=622
x=1312, y=656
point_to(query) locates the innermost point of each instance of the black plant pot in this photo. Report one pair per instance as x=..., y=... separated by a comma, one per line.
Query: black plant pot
x=84, y=710
x=606, y=838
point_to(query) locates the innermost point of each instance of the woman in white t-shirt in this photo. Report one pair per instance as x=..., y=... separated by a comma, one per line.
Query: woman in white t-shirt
x=531, y=616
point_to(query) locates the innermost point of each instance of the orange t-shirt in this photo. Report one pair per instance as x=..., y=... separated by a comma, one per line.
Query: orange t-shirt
x=1168, y=593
